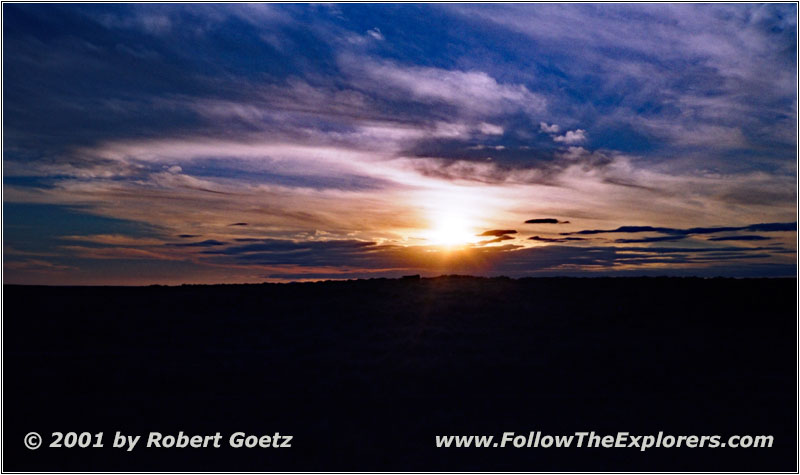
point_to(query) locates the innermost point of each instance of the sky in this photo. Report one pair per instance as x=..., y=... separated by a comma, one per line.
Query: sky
x=224, y=143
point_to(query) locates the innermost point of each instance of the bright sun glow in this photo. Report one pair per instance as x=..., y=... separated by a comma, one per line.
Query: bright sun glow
x=451, y=230
x=453, y=216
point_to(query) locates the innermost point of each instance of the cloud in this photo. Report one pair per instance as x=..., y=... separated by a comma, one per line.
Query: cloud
x=490, y=129
x=496, y=240
x=640, y=80
x=550, y=129
x=545, y=221
x=267, y=245
x=370, y=257
x=768, y=227
x=498, y=232
x=650, y=239
x=567, y=239
x=572, y=137
x=36, y=265
x=762, y=227
x=238, y=224
x=114, y=239
x=122, y=253
x=473, y=92
x=740, y=238
x=206, y=243
x=541, y=239
x=376, y=34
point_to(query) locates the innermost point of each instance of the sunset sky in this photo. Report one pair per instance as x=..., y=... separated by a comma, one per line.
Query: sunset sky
x=170, y=144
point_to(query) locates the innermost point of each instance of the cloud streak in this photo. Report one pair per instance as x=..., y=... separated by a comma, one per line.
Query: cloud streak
x=762, y=227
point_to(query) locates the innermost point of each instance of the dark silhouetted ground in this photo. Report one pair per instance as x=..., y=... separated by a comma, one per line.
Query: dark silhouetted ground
x=365, y=373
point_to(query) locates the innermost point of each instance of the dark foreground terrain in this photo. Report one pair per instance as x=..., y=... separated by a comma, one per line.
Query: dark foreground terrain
x=364, y=374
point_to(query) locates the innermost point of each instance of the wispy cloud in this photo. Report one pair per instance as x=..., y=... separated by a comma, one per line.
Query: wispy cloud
x=472, y=92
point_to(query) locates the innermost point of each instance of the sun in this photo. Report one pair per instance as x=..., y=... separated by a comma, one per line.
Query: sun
x=451, y=217
x=451, y=230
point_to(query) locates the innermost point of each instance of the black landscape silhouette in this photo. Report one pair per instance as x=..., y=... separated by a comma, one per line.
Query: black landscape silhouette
x=365, y=373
